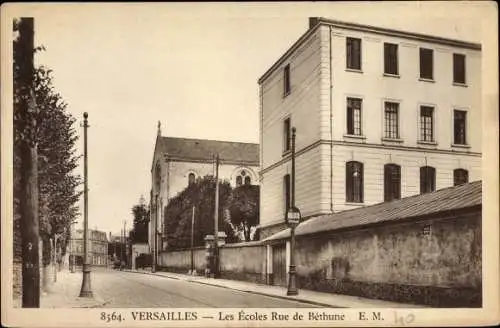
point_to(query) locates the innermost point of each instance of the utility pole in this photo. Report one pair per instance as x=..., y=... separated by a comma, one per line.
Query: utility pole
x=216, y=218
x=86, y=290
x=28, y=168
x=293, y=219
x=155, y=234
x=192, y=243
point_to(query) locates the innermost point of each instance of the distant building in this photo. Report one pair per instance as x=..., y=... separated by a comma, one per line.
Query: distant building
x=179, y=161
x=380, y=114
x=97, y=247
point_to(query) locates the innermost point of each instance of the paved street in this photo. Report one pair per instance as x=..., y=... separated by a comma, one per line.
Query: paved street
x=123, y=289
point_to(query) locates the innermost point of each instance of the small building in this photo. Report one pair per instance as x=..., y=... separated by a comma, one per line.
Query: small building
x=97, y=248
x=180, y=161
x=380, y=114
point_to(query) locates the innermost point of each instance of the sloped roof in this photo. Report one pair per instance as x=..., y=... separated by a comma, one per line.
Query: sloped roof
x=201, y=149
x=443, y=200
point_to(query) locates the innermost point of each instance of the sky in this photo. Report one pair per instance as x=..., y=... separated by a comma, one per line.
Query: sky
x=194, y=67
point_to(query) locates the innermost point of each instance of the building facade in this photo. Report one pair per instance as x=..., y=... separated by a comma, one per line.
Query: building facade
x=379, y=114
x=97, y=248
x=179, y=161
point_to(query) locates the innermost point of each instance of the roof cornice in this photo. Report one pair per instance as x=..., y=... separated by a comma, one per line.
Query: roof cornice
x=399, y=33
x=369, y=29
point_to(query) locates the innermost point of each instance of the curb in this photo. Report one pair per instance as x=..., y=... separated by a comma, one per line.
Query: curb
x=288, y=298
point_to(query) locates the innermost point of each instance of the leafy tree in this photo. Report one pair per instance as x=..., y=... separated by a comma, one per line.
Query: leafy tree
x=244, y=209
x=139, y=233
x=56, y=138
x=201, y=195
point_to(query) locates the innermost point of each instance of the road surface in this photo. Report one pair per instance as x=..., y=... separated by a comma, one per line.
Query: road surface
x=125, y=289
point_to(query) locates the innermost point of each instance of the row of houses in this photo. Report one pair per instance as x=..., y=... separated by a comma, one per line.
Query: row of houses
x=381, y=116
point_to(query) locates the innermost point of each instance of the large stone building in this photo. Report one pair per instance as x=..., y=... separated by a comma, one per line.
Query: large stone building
x=179, y=161
x=380, y=114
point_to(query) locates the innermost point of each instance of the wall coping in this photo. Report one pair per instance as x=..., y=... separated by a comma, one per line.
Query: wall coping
x=244, y=244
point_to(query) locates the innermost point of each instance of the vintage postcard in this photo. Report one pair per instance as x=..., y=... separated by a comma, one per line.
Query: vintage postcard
x=250, y=164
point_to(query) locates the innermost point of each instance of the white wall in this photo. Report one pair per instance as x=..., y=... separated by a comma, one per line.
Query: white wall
x=320, y=118
x=374, y=159
x=373, y=87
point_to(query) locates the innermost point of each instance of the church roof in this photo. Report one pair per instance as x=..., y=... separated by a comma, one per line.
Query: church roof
x=202, y=149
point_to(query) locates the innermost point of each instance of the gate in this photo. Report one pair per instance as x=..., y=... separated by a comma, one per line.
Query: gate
x=279, y=265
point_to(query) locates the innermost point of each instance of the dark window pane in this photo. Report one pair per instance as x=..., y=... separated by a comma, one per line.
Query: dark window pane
x=427, y=179
x=353, y=53
x=426, y=123
x=460, y=176
x=286, y=79
x=248, y=181
x=286, y=135
x=238, y=180
x=354, y=116
x=459, y=68
x=459, y=127
x=392, y=182
x=354, y=182
x=391, y=120
x=426, y=63
x=191, y=178
x=391, y=58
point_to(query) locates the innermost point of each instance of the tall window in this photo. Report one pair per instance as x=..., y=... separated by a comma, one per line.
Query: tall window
x=286, y=192
x=459, y=127
x=354, y=182
x=391, y=58
x=243, y=177
x=427, y=179
x=287, y=138
x=286, y=80
x=460, y=176
x=191, y=178
x=157, y=177
x=426, y=63
x=353, y=53
x=426, y=123
x=354, y=116
x=392, y=182
x=459, y=68
x=391, y=120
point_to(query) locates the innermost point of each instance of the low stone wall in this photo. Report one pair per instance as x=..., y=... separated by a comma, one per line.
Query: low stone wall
x=243, y=261
x=435, y=262
x=180, y=261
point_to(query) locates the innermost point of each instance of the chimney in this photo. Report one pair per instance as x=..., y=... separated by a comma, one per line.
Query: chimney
x=313, y=21
x=158, y=132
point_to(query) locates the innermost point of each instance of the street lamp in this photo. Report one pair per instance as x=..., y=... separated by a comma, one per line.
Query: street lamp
x=86, y=290
x=293, y=217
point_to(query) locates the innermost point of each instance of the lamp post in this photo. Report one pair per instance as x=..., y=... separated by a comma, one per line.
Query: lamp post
x=293, y=217
x=86, y=290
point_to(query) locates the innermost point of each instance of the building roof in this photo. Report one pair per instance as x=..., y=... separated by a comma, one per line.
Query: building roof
x=314, y=22
x=441, y=201
x=201, y=149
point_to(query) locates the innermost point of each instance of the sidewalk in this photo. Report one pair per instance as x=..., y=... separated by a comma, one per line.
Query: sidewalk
x=305, y=296
x=65, y=293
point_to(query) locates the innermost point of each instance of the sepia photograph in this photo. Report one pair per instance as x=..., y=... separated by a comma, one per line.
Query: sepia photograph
x=250, y=164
